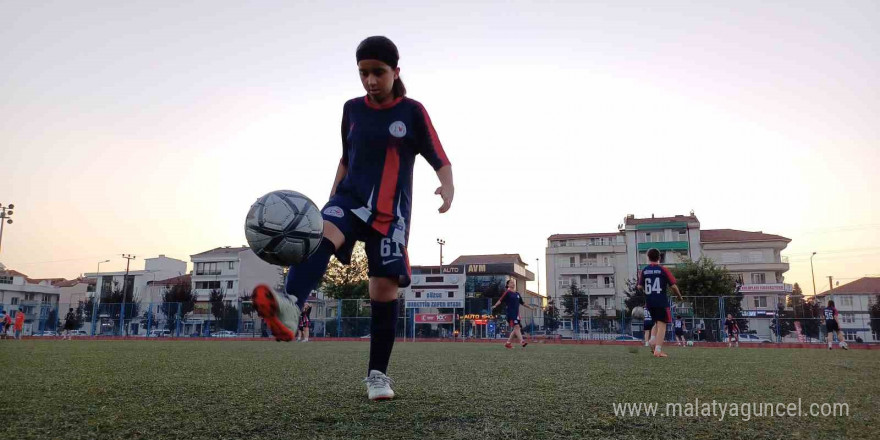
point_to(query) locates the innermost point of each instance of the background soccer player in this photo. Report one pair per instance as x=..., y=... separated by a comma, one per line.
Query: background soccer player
x=654, y=279
x=370, y=201
x=832, y=325
x=304, y=322
x=679, y=330
x=512, y=300
x=648, y=325
x=732, y=330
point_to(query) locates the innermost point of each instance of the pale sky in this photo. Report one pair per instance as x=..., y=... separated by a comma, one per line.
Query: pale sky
x=150, y=127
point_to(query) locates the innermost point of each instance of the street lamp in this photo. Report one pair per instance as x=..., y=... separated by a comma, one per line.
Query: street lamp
x=441, y=242
x=5, y=213
x=98, y=276
x=813, y=274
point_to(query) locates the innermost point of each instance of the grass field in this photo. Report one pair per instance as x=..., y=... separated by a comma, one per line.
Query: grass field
x=246, y=390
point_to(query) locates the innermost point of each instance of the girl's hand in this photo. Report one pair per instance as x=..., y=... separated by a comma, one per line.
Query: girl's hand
x=446, y=192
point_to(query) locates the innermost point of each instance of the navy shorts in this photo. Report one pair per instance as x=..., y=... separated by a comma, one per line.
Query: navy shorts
x=679, y=332
x=831, y=326
x=386, y=254
x=649, y=325
x=659, y=314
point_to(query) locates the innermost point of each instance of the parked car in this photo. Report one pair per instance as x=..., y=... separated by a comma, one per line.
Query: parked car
x=627, y=338
x=751, y=337
x=79, y=333
x=224, y=334
x=46, y=333
x=159, y=334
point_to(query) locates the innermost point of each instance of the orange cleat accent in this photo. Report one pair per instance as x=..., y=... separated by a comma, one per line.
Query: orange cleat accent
x=267, y=307
x=508, y=345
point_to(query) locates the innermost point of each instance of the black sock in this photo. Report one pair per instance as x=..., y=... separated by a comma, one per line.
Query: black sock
x=304, y=277
x=383, y=327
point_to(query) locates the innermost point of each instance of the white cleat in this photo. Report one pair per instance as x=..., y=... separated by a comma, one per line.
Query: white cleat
x=379, y=386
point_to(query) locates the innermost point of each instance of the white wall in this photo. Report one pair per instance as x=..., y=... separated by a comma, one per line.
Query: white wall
x=255, y=271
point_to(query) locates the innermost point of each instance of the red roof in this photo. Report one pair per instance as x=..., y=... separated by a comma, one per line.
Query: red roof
x=733, y=235
x=577, y=236
x=14, y=273
x=677, y=218
x=489, y=259
x=864, y=286
x=221, y=251
x=182, y=279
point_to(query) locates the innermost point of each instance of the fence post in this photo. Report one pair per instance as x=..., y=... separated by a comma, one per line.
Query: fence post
x=94, y=312
x=239, y=326
x=339, y=318
x=150, y=318
x=577, y=321
x=177, y=321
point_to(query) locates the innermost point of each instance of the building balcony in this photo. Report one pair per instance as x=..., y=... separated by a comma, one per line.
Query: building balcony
x=664, y=246
x=584, y=268
x=591, y=289
x=209, y=273
x=755, y=267
x=584, y=249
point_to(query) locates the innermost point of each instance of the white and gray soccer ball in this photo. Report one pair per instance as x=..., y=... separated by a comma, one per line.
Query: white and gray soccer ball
x=284, y=227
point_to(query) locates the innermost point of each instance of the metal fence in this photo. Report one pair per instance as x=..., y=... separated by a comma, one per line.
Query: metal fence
x=580, y=319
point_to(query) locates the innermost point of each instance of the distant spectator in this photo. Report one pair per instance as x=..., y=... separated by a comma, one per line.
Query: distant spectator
x=69, y=324
x=19, y=324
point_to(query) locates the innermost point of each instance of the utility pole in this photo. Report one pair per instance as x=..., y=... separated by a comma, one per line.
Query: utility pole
x=128, y=257
x=813, y=274
x=441, y=242
x=5, y=213
x=538, y=270
x=830, y=282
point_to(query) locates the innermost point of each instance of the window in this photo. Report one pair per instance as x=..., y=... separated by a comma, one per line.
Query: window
x=231, y=265
x=737, y=277
x=248, y=326
x=850, y=335
x=5, y=280
x=760, y=301
x=566, y=324
x=846, y=301
x=28, y=296
x=682, y=235
x=418, y=294
x=208, y=285
x=756, y=257
x=15, y=301
x=450, y=294
x=847, y=318
x=758, y=278
x=229, y=284
x=730, y=257
x=47, y=298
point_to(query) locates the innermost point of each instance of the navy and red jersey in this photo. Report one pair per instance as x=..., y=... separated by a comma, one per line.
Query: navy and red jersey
x=731, y=325
x=655, y=279
x=830, y=314
x=647, y=315
x=379, y=149
x=512, y=299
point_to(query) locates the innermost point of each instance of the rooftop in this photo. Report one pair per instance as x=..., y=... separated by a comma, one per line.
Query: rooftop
x=588, y=235
x=220, y=251
x=631, y=220
x=733, y=235
x=863, y=286
x=489, y=259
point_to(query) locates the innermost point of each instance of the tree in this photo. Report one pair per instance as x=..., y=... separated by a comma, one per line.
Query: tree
x=702, y=282
x=115, y=302
x=634, y=297
x=575, y=304
x=551, y=318
x=349, y=282
x=177, y=301
x=875, y=316
x=783, y=323
x=809, y=313
x=796, y=297
x=225, y=313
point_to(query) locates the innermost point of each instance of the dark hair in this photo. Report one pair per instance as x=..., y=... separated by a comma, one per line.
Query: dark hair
x=509, y=280
x=830, y=303
x=653, y=255
x=398, y=89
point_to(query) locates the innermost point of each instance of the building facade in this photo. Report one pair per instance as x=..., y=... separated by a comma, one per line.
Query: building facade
x=158, y=268
x=601, y=264
x=37, y=299
x=854, y=302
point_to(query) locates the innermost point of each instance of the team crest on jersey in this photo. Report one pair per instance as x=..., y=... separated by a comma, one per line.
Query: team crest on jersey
x=397, y=129
x=334, y=211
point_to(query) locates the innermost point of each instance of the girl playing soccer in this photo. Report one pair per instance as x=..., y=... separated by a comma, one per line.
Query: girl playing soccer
x=370, y=201
x=732, y=330
x=512, y=299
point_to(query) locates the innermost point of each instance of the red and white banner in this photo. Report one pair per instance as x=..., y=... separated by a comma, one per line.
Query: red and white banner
x=434, y=318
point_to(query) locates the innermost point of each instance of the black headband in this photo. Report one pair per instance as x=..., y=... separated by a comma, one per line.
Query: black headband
x=378, y=48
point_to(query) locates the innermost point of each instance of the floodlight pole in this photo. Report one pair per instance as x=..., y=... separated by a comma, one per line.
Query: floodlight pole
x=5, y=213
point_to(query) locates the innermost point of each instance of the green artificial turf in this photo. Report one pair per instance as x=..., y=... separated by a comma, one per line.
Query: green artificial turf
x=248, y=390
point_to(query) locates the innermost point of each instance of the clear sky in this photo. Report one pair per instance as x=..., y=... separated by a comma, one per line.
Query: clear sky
x=150, y=127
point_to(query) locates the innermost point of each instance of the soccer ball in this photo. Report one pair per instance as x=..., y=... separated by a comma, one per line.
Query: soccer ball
x=690, y=343
x=284, y=227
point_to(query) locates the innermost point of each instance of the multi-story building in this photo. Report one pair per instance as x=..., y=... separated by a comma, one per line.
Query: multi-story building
x=37, y=300
x=600, y=264
x=853, y=302
x=158, y=268
x=232, y=271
